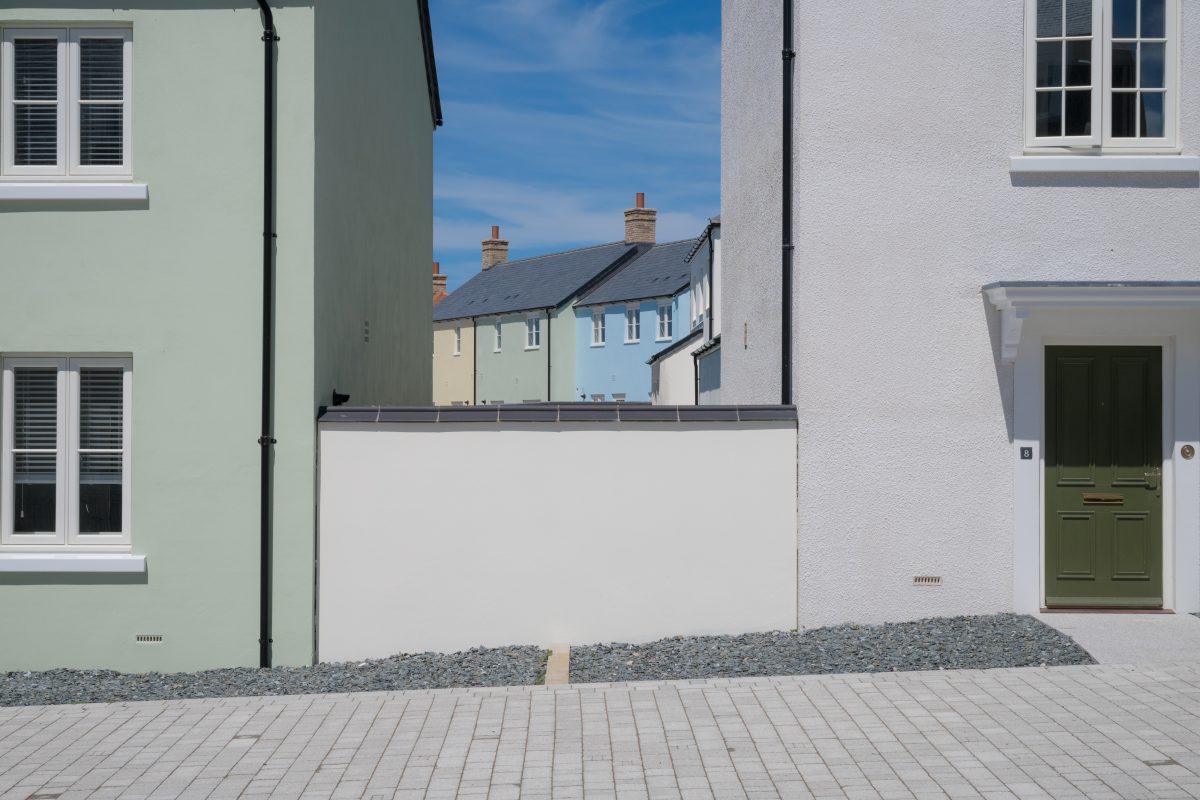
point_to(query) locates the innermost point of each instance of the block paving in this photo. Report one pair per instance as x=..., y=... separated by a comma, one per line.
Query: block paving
x=1066, y=732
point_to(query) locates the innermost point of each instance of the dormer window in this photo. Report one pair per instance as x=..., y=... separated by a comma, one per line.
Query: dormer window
x=1101, y=74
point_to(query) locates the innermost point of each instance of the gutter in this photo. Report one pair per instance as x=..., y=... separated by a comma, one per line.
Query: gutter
x=266, y=439
x=789, y=75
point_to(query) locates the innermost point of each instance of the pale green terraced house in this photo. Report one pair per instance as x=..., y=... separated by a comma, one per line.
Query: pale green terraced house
x=142, y=168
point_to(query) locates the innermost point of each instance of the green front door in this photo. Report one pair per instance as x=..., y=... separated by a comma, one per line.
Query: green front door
x=1104, y=476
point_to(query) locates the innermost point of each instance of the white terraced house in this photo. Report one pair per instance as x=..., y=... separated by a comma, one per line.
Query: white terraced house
x=962, y=239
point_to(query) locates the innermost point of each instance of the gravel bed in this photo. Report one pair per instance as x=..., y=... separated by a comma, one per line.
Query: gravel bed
x=505, y=666
x=1004, y=640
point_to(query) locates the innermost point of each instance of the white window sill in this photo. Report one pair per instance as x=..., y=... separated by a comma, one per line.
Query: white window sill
x=1109, y=163
x=598, y=345
x=527, y=349
x=81, y=190
x=72, y=562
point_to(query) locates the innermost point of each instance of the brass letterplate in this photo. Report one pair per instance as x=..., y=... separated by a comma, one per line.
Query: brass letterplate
x=1099, y=499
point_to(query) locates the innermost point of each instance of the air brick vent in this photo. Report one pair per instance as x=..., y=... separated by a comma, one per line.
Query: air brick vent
x=927, y=580
x=148, y=638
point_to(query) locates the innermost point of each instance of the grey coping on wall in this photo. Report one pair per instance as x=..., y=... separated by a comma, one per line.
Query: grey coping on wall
x=1093, y=284
x=531, y=283
x=661, y=272
x=555, y=413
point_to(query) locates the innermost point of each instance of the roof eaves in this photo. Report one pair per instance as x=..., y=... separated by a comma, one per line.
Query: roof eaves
x=431, y=79
x=666, y=351
x=715, y=222
x=638, y=298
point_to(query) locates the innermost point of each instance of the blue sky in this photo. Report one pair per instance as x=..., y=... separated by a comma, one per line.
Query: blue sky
x=558, y=111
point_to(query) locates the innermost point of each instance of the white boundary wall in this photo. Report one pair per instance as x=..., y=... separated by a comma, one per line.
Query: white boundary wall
x=448, y=536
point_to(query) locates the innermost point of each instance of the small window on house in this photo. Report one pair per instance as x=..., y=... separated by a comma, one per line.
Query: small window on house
x=458, y=340
x=533, y=333
x=1101, y=73
x=665, y=316
x=65, y=464
x=65, y=102
x=633, y=325
x=598, y=328
x=499, y=329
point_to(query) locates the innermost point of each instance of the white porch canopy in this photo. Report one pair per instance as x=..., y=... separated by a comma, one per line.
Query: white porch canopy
x=1018, y=299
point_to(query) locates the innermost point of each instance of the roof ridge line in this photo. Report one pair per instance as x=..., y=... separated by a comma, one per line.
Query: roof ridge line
x=505, y=264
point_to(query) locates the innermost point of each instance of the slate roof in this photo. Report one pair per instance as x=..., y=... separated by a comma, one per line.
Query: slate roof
x=661, y=272
x=532, y=283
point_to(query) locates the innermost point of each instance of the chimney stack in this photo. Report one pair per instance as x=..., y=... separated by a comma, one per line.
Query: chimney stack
x=495, y=249
x=439, y=284
x=640, y=222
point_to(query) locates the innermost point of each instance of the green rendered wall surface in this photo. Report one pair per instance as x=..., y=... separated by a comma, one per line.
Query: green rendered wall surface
x=176, y=283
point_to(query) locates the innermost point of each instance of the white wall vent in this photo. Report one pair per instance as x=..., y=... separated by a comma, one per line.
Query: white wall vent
x=148, y=638
x=927, y=580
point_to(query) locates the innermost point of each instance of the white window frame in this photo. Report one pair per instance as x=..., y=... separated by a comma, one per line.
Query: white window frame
x=66, y=536
x=498, y=329
x=1102, y=41
x=666, y=313
x=633, y=324
x=68, y=153
x=533, y=332
x=457, y=340
x=599, y=328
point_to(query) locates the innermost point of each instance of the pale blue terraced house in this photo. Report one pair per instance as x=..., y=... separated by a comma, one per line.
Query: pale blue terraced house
x=626, y=319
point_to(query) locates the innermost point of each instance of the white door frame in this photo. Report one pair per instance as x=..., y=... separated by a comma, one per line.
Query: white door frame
x=1177, y=331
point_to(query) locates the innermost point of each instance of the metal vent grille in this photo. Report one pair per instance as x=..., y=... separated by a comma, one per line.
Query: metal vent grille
x=927, y=580
x=148, y=638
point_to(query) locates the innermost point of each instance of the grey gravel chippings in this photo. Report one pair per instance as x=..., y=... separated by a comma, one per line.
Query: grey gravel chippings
x=1003, y=640
x=504, y=666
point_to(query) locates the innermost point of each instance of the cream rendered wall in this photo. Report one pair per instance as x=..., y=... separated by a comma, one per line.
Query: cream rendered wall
x=905, y=207
x=674, y=378
x=401, y=574
x=176, y=282
x=453, y=375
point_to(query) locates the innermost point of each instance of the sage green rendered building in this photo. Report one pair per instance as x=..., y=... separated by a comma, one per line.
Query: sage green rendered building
x=131, y=263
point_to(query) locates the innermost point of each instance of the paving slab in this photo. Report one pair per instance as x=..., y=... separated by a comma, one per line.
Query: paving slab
x=1132, y=638
x=1056, y=732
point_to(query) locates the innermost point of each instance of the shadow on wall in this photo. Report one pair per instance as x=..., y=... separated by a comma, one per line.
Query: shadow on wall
x=1005, y=381
x=1109, y=180
x=72, y=206
x=72, y=579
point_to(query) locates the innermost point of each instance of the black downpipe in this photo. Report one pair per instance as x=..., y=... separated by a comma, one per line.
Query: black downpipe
x=789, y=67
x=266, y=439
x=549, y=385
x=474, y=362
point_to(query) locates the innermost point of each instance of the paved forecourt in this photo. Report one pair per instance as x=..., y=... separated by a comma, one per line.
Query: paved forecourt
x=1066, y=732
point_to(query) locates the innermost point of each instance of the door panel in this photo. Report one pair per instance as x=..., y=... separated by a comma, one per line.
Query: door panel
x=1103, y=492
x=1076, y=546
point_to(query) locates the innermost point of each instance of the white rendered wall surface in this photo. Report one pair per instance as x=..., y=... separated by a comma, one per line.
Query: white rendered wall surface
x=675, y=377
x=575, y=533
x=907, y=115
